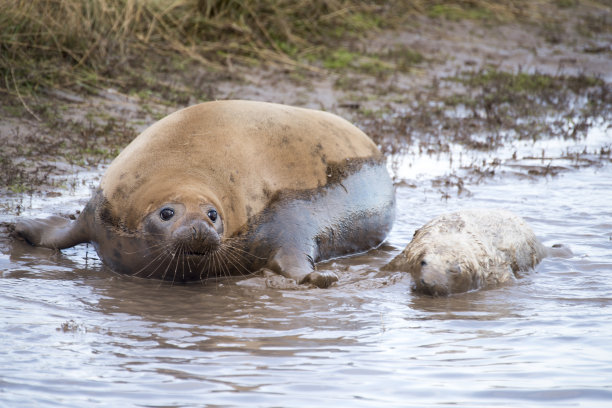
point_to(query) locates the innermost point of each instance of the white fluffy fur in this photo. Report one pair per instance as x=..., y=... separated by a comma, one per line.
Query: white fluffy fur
x=467, y=250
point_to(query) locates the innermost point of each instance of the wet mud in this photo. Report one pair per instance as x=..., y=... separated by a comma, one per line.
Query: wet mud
x=496, y=125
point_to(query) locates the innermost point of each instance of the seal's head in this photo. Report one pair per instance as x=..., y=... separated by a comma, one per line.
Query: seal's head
x=185, y=228
x=168, y=230
x=445, y=267
x=441, y=264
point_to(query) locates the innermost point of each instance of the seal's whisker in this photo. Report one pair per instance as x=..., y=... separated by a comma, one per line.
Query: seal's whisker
x=177, y=254
x=162, y=252
x=235, y=260
x=204, y=261
x=146, y=249
x=161, y=256
x=183, y=261
x=173, y=253
x=209, y=265
x=201, y=265
x=165, y=270
x=225, y=272
x=166, y=260
x=191, y=271
x=230, y=261
x=236, y=244
x=239, y=253
x=169, y=259
x=205, y=268
x=218, y=271
x=150, y=246
x=216, y=265
x=224, y=266
x=236, y=264
x=238, y=267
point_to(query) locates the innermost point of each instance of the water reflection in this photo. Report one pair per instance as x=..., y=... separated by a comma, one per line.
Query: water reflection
x=519, y=158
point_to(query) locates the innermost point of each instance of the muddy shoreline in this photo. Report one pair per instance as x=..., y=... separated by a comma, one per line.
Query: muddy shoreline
x=469, y=114
x=417, y=90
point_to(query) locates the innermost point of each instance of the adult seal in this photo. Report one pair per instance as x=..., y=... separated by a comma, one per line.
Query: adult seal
x=230, y=187
x=471, y=249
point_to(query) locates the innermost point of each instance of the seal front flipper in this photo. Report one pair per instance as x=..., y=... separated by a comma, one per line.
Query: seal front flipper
x=54, y=232
x=320, y=279
x=300, y=267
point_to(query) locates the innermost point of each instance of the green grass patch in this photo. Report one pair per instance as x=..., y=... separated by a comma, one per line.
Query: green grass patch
x=403, y=57
x=565, y=4
x=343, y=60
x=340, y=59
x=456, y=12
x=522, y=83
x=361, y=21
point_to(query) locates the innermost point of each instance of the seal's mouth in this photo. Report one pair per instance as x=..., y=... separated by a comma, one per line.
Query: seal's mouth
x=430, y=289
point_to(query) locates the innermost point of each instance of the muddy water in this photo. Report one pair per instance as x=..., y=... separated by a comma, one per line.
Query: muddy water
x=76, y=334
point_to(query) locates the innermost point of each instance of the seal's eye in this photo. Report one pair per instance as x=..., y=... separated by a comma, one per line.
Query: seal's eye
x=423, y=263
x=212, y=214
x=166, y=214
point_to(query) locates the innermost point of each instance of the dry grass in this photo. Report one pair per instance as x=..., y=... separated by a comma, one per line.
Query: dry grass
x=74, y=42
x=82, y=44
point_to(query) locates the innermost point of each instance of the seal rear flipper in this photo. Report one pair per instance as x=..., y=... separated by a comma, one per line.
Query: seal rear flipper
x=54, y=232
x=300, y=267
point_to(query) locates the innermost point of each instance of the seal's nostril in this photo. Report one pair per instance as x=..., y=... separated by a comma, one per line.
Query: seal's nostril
x=194, y=232
x=422, y=281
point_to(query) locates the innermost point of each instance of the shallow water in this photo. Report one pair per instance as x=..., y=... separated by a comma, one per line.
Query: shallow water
x=76, y=334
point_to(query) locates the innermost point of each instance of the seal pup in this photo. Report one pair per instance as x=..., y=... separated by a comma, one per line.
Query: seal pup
x=231, y=187
x=470, y=249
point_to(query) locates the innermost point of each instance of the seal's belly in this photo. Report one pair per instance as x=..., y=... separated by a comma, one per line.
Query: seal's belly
x=351, y=215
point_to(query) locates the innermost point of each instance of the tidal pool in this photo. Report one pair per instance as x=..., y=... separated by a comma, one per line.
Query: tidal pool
x=76, y=334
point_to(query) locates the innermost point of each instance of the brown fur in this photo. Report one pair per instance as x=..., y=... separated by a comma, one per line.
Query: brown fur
x=267, y=145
